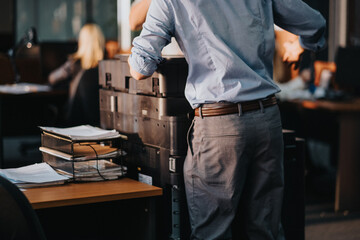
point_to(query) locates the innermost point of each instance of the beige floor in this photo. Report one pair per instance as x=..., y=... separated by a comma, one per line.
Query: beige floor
x=322, y=223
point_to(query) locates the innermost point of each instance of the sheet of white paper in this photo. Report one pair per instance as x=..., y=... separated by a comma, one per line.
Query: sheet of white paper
x=83, y=132
x=35, y=173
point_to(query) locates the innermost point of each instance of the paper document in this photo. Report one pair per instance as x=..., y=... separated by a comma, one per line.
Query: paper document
x=94, y=169
x=85, y=152
x=39, y=173
x=84, y=132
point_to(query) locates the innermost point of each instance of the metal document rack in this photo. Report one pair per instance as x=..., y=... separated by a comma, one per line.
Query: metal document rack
x=93, y=165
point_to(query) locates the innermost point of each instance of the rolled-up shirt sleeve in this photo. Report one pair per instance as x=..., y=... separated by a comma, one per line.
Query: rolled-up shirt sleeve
x=299, y=18
x=155, y=35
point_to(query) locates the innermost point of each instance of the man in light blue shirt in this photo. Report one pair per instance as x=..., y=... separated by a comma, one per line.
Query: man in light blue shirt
x=235, y=149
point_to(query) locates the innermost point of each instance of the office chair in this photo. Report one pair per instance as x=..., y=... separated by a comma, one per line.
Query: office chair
x=18, y=219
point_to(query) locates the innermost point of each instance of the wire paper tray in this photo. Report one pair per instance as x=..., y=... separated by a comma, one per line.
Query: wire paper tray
x=83, y=153
x=88, y=170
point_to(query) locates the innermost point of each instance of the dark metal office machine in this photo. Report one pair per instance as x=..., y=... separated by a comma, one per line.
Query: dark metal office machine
x=153, y=113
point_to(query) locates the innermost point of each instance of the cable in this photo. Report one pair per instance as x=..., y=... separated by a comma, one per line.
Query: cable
x=97, y=160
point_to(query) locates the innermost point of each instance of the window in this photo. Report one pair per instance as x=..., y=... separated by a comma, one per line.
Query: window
x=61, y=20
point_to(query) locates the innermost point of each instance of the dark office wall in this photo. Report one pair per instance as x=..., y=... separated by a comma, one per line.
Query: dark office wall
x=323, y=7
x=353, y=38
x=6, y=25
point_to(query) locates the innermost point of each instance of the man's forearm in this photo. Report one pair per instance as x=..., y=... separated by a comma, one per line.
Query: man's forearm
x=135, y=74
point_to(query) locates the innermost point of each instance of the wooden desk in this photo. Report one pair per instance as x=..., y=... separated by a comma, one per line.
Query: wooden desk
x=90, y=192
x=347, y=114
x=351, y=106
x=91, y=210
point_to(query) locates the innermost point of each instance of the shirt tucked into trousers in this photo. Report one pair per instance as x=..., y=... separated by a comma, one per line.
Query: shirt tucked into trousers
x=233, y=159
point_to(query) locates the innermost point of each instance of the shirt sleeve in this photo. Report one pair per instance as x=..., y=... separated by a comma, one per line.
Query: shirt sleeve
x=155, y=35
x=299, y=18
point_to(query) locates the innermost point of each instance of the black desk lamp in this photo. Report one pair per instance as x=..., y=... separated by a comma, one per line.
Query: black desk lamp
x=28, y=40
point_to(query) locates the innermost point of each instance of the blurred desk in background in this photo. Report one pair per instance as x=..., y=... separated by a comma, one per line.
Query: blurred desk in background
x=346, y=115
x=28, y=104
x=25, y=107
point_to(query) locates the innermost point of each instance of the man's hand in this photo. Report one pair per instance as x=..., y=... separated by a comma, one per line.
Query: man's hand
x=293, y=50
x=135, y=74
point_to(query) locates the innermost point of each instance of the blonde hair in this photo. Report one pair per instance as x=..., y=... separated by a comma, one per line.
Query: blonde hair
x=91, y=45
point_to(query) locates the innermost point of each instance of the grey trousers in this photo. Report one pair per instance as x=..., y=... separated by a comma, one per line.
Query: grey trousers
x=234, y=165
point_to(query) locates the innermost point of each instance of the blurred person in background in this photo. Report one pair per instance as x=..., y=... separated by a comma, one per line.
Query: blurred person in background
x=80, y=71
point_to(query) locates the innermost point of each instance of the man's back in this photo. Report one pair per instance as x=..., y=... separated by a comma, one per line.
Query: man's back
x=235, y=154
x=229, y=45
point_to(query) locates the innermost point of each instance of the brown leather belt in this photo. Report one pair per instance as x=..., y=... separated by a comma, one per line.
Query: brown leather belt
x=217, y=109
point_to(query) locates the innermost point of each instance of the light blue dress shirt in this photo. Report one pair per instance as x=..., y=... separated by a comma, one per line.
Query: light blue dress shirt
x=228, y=44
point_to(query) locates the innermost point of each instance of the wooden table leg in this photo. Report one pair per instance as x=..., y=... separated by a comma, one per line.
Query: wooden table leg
x=348, y=175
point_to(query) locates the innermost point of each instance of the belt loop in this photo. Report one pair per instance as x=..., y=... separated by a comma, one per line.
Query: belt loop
x=240, y=109
x=200, y=112
x=261, y=106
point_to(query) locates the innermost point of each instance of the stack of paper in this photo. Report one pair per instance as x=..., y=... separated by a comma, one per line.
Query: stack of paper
x=85, y=151
x=95, y=170
x=84, y=132
x=39, y=174
x=82, y=152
